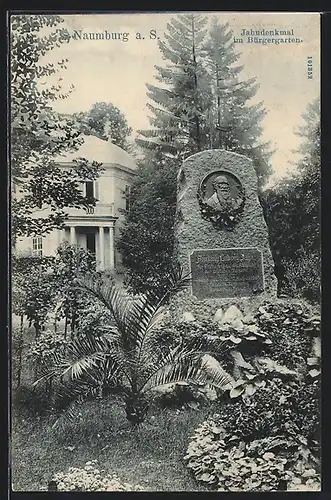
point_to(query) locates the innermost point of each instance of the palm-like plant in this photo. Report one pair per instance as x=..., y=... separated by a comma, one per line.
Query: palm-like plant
x=127, y=358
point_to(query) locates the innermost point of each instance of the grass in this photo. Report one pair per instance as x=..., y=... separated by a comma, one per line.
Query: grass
x=151, y=456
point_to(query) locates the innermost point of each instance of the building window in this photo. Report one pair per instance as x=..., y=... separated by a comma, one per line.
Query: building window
x=89, y=185
x=127, y=194
x=37, y=246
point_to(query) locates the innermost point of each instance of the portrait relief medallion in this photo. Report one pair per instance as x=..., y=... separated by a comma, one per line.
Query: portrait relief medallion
x=221, y=198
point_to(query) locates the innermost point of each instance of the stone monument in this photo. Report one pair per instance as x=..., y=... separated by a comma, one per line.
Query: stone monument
x=221, y=236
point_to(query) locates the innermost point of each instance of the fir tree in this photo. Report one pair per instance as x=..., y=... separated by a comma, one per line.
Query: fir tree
x=180, y=106
x=234, y=124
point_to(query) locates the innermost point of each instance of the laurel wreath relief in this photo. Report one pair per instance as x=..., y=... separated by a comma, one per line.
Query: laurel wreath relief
x=227, y=217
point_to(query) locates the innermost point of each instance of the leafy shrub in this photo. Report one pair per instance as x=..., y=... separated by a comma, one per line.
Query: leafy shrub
x=228, y=450
x=274, y=341
x=31, y=401
x=290, y=326
x=286, y=408
x=212, y=336
x=94, y=319
x=33, y=289
x=282, y=330
x=90, y=478
x=304, y=275
x=46, y=345
x=259, y=349
x=218, y=462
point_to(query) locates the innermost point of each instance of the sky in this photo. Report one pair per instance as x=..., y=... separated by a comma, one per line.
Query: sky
x=116, y=71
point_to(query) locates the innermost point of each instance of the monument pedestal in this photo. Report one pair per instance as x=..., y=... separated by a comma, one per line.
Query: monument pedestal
x=221, y=237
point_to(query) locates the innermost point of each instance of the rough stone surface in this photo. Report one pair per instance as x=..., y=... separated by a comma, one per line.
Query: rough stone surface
x=232, y=314
x=193, y=232
x=218, y=314
x=205, y=310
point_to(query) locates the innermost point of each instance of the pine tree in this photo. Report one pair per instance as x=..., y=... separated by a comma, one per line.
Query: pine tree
x=180, y=109
x=179, y=128
x=234, y=124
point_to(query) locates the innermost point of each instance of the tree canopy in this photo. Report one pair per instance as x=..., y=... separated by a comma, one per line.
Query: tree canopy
x=106, y=121
x=293, y=214
x=38, y=133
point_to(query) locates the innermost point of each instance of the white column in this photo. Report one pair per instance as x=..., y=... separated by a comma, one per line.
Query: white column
x=72, y=235
x=60, y=236
x=111, y=248
x=101, y=247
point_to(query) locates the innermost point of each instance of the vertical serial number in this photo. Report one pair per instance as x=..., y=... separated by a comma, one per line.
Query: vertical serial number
x=309, y=67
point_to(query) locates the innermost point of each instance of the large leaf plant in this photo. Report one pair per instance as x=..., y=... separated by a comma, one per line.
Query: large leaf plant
x=127, y=359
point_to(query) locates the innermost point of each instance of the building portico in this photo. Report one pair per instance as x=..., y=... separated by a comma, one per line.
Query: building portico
x=94, y=228
x=96, y=236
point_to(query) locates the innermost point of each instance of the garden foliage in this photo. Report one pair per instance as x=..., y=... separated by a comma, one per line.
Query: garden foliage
x=226, y=463
x=266, y=436
x=90, y=478
x=261, y=441
x=128, y=358
x=293, y=213
x=278, y=339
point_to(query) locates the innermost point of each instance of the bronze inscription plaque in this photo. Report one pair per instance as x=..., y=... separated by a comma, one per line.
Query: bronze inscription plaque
x=226, y=273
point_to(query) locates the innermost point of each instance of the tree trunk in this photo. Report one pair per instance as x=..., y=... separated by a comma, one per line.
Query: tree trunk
x=136, y=410
x=197, y=122
x=49, y=384
x=72, y=328
x=220, y=139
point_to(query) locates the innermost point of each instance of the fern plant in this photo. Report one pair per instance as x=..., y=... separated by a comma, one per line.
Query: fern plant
x=127, y=359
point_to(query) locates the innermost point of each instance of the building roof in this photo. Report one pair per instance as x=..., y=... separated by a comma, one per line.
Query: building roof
x=95, y=149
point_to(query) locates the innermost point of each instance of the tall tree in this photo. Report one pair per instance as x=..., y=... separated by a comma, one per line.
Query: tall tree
x=179, y=128
x=293, y=214
x=180, y=105
x=38, y=134
x=106, y=121
x=234, y=123
x=146, y=242
x=309, y=170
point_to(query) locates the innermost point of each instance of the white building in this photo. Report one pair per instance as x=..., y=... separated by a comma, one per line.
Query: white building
x=94, y=229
